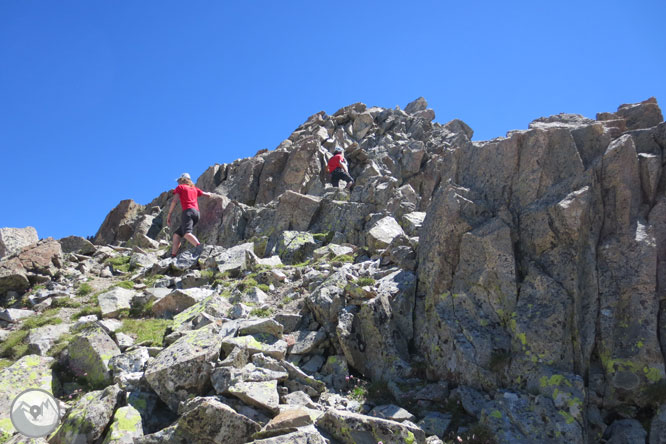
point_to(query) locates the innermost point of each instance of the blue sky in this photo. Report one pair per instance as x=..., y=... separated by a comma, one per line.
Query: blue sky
x=102, y=101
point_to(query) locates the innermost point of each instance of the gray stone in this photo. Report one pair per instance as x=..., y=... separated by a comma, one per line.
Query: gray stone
x=306, y=342
x=393, y=412
x=313, y=365
x=258, y=343
x=12, y=240
x=417, y=105
x=382, y=232
x=179, y=300
x=15, y=315
x=76, y=244
x=658, y=426
x=30, y=371
x=13, y=276
x=290, y=419
x=412, y=222
x=361, y=429
x=295, y=246
x=375, y=337
x=625, y=431
x=89, y=417
x=207, y=420
x=41, y=339
x=260, y=327
x=435, y=423
x=125, y=426
x=114, y=302
x=232, y=260
x=302, y=436
x=130, y=362
x=295, y=211
x=89, y=354
x=184, y=368
x=259, y=394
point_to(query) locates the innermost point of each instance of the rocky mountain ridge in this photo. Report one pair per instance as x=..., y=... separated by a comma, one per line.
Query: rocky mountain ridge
x=500, y=291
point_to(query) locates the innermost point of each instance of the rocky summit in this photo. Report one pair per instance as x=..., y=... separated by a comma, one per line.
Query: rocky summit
x=505, y=291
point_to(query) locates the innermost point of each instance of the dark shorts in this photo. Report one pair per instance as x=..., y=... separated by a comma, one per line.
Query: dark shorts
x=189, y=218
x=338, y=175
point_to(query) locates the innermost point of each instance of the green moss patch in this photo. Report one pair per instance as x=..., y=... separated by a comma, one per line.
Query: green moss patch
x=151, y=330
x=14, y=347
x=120, y=263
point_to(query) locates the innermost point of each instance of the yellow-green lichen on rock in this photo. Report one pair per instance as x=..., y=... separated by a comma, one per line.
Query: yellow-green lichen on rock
x=29, y=372
x=88, y=418
x=125, y=427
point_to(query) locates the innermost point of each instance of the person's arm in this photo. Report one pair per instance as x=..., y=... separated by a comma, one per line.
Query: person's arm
x=173, y=205
x=343, y=164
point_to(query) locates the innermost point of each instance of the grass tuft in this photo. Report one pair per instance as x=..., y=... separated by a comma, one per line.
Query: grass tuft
x=89, y=310
x=261, y=312
x=14, y=347
x=365, y=281
x=343, y=258
x=120, y=263
x=125, y=284
x=84, y=289
x=151, y=330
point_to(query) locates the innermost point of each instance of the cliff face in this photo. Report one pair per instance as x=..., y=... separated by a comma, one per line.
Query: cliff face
x=520, y=278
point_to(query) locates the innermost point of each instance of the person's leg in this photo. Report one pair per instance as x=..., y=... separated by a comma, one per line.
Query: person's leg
x=347, y=178
x=192, y=217
x=176, y=244
x=335, y=178
x=191, y=238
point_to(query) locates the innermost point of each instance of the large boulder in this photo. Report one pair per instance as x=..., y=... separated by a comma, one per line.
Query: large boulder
x=44, y=257
x=125, y=427
x=295, y=211
x=353, y=428
x=89, y=354
x=207, y=420
x=88, y=418
x=184, y=368
x=118, y=226
x=29, y=372
x=375, y=339
x=76, y=244
x=12, y=240
x=13, y=276
x=382, y=232
x=295, y=247
x=115, y=301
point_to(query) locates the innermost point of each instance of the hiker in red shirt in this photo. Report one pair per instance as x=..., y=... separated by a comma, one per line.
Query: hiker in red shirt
x=337, y=166
x=188, y=194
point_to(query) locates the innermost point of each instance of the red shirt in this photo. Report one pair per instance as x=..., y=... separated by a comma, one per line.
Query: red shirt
x=188, y=196
x=335, y=162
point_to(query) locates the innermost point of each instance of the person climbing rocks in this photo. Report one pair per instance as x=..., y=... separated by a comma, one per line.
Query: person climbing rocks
x=188, y=194
x=337, y=167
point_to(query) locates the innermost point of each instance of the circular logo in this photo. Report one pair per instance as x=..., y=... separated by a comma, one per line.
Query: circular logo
x=35, y=413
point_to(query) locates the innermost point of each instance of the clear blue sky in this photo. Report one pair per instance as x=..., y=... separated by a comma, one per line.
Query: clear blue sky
x=105, y=100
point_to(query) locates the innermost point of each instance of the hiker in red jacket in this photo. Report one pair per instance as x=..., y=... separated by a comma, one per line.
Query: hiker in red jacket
x=188, y=194
x=337, y=166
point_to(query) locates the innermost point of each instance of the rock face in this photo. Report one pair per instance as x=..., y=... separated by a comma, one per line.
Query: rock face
x=502, y=291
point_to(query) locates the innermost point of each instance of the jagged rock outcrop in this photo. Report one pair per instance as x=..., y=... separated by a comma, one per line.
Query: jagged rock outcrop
x=509, y=289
